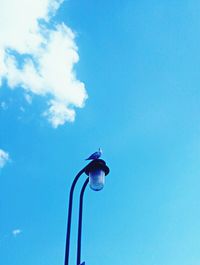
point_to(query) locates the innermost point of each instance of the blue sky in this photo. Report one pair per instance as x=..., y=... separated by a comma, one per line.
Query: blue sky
x=136, y=93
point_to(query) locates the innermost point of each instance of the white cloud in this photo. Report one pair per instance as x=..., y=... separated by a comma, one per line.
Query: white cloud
x=58, y=113
x=39, y=56
x=16, y=232
x=4, y=158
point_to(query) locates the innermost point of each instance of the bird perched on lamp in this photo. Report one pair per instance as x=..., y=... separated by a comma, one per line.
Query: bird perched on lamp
x=95, y=155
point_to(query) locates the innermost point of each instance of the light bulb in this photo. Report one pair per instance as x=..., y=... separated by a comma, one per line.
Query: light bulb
x=96, y=179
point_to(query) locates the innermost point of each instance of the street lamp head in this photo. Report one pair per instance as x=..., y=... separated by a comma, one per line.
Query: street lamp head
x=97, y=170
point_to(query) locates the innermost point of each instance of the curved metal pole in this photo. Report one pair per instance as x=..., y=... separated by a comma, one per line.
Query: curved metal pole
x=70, y=216
x=80, y=222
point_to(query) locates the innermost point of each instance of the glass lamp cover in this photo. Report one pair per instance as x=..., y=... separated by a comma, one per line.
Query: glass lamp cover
x=97, y=179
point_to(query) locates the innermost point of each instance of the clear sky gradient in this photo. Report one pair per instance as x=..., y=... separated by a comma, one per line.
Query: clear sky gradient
x=140, y=63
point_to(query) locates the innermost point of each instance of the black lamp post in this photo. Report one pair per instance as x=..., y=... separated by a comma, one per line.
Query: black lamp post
x=96, y=171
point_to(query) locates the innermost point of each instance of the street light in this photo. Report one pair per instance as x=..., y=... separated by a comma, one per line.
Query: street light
x=96, y=170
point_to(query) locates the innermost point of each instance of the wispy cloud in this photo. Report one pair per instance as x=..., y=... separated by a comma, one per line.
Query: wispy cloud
x=4, y=158
x=16, y=232
x=3, y=105
x=28, y=98
x=39, y=56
